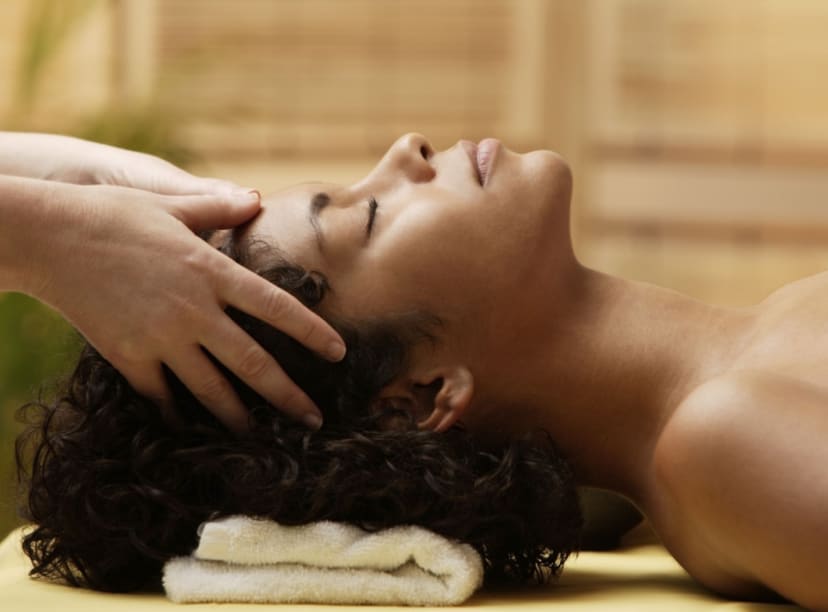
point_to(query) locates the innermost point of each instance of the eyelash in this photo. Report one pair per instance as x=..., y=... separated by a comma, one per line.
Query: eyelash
x=373, y=205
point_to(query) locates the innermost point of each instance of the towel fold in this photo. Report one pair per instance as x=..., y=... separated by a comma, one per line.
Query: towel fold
x=244, y=559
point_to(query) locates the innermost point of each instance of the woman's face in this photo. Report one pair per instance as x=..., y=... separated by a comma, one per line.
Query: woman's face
x=456, y=233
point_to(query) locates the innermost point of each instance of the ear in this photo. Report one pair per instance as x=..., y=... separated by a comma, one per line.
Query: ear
x=439, y=397
x=454, y=390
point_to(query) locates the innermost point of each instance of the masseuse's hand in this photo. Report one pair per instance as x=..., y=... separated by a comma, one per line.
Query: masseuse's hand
x=127, y=270
x=73, y=160
x=104, y=165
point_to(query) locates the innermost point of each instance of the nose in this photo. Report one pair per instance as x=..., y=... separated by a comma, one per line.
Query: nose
x=410, y=155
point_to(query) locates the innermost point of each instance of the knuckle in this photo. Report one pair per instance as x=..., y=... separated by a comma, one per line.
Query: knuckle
x=212, y=388
x=199, y=260
x=125, y=352
x=277, y=305
x=308, y=333
x=254, y=363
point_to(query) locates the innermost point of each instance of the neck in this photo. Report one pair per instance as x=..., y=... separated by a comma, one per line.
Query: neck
x=603, y=365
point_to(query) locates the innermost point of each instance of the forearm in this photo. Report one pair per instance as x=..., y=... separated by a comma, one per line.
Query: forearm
x=29, y=213
x=49, y=156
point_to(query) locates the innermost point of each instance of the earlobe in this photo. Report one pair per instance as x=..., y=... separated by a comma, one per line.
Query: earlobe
x=452, y=400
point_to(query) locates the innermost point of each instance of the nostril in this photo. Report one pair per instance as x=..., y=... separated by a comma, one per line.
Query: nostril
x=425, y=151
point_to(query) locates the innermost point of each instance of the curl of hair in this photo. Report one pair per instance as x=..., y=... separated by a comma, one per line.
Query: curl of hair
x=114, y=491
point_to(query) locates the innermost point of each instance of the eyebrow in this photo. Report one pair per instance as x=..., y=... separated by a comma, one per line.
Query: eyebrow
x=317, y=203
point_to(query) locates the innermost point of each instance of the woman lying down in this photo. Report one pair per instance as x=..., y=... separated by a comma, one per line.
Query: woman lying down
x=488, y=373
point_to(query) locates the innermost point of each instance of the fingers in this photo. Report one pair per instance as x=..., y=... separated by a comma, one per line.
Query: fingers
x=259, y=298
x=257, y=368
x=168, y=179
x=211, y=388
x=212, y=211
x=149, y=382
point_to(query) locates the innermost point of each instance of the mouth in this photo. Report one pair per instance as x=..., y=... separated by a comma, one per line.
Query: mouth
x=482, y=156
x=486, y=157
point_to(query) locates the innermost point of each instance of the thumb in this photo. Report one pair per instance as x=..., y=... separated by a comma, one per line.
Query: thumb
x=171, y=180
x=216, y=211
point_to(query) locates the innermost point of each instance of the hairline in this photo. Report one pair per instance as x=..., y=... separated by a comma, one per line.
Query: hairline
x=245, y=249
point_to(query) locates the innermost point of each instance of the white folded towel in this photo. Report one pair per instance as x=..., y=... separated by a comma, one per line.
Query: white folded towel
x=244, y=559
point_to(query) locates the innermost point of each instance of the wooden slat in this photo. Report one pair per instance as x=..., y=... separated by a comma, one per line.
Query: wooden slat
x=733, y=273
x=796, y=96
x=735, y=74
x=287, y=66
x=725, y=199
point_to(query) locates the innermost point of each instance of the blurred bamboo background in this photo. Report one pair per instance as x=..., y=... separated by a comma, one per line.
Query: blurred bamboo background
x=697, y=129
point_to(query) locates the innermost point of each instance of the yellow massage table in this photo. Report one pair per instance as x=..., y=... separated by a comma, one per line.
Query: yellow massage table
x=639, y=576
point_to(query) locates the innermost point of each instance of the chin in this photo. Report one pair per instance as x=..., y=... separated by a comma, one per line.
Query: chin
x=556, y=165
x=552, y=177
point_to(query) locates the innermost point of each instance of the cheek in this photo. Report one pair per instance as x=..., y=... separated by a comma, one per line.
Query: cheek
x=444, y=259
x=415, y=265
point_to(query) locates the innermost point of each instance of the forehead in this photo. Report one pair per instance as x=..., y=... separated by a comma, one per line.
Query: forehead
x=284, y=221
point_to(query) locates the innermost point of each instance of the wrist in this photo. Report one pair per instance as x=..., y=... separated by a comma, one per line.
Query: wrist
x=31, y=215
x=52, y=157
x=74, y=160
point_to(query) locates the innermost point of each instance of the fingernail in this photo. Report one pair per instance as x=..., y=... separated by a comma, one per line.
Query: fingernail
x=314, y=421
x=244, y=197
x=336, y=351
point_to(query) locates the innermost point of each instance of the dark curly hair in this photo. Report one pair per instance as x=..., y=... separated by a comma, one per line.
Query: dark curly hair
x=114, y=490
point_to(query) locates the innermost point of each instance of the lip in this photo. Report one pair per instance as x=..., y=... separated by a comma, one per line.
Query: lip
x=487, y=151
x=482, y=156
x=471, y=150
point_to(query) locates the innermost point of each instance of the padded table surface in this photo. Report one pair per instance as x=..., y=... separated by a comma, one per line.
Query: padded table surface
x=641, y=576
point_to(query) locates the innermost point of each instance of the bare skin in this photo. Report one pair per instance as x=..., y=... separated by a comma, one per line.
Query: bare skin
x=711, y=420
x=106, y=236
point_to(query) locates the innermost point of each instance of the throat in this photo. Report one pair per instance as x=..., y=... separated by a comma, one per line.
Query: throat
x=604, y=373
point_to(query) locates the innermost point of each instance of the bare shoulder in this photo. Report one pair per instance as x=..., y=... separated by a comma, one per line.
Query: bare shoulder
x=743, y=460
x=747, y=401
x=813, y=286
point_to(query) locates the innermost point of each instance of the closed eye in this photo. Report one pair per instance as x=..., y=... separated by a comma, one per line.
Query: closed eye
x=373, y=205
